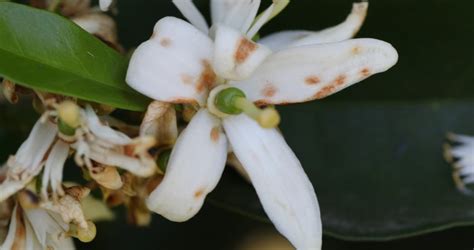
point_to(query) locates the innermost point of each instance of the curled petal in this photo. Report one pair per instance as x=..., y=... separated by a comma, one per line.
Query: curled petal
x=194, y=169
x=284, y=190
x=237, y=14
x=313, y=72
x=169, y=67
x=101, y=131
x=160, y=123
x=191, y=12
x=235, y=56
x=31, y=153
x=53, y=170
x=138, y=163
x=341, y=32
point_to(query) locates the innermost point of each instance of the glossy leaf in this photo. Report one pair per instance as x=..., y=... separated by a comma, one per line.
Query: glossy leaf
x=44, y=51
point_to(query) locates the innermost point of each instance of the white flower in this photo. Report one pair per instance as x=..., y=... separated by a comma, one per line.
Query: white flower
x=48, y=225
x=181, y=63
x=461, y=156
x=96, y=145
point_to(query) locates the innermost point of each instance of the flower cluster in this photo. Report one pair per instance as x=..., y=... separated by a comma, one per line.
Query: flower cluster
x=214, y=89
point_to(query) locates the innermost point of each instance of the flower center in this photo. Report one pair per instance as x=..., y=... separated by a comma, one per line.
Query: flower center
x=225, y=100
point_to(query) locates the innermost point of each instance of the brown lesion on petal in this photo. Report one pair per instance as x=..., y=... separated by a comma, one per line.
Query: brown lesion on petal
x=199, y=193
x=269, y=90
x=328, y=90
x=245, y=47
x=340, y=80
x=312, y=80
x=365, y=72
x=165, y=42
x=207, y=77
x=356, y=50
x=215, y=134
x=186, y=78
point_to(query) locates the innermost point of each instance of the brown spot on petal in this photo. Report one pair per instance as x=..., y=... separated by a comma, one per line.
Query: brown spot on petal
x=340, y=80
x=186, y=79
x=269, y=90
x=165, y=42
x=207, y=78
x=199, y=193
x=215, y=134
x=244, y=49
x=312, y=80
x=365, y=72
x=356, y=50
x=129, y=150
x=325, y=92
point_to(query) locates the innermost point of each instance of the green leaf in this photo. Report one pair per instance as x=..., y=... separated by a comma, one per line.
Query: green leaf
x=47, y=52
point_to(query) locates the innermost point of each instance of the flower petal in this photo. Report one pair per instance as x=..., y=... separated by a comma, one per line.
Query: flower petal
x=235, y=56
x=194, y=169
x=169, y=68
x=53, y=170
x=32, y=152
x=16, y=232
x=105, y=4
x=102, y=131
x=313, y=72
x=160, y=123
x=191, y=12
x=284, y=190
x=237, y=14
x=341, y=32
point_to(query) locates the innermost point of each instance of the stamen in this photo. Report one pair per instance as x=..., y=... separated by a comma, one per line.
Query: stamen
x=233, y=101
x=264, y=17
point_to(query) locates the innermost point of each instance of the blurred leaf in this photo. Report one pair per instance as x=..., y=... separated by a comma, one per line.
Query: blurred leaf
x=377, y=167
x=44, y=51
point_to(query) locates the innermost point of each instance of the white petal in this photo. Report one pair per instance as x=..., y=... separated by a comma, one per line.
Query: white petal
x=14, y=237
x=53, y=169
x=32, y=152
x=238, y=14
x=194, y=169
x=174, y=65
x=102, y=131
x=284, y=190
x=142, y=167
x=191, y=12
x=105, y=4
x=235, y=56
x=341, y=32
x=313, y=72
x=11, y=186
x=44, y=226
